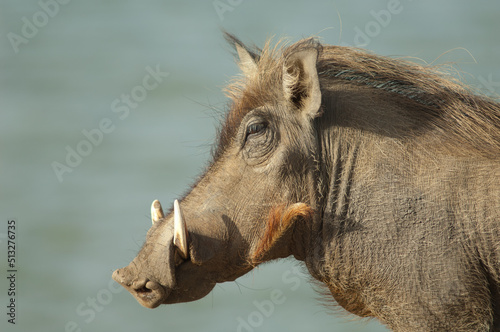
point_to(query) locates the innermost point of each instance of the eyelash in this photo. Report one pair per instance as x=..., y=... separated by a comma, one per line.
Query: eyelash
x=255, y=128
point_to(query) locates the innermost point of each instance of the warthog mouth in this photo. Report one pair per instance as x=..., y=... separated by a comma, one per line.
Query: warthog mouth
x=149, y=294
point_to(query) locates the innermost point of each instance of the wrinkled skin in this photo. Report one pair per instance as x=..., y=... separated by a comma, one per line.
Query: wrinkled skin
x=388, y=202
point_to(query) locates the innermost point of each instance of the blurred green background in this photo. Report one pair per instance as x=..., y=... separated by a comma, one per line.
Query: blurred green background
x=64, y=68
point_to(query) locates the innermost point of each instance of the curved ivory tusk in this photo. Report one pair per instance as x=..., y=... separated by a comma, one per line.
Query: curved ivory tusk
x=180, y=231
x=156, y=211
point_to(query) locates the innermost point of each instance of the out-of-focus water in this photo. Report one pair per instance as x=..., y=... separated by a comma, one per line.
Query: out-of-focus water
x=63, y=71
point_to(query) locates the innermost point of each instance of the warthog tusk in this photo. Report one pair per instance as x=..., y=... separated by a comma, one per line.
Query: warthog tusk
x=180, y=231
x=156, y=211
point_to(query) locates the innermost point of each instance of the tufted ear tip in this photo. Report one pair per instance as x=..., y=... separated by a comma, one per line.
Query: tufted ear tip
x=247, y=59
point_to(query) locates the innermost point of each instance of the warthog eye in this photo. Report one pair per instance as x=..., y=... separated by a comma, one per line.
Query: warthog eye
x=255, y=128
x=257, y=139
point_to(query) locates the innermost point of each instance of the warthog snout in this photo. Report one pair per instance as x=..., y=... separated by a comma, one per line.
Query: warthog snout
x=149, y=282
x=149, y=293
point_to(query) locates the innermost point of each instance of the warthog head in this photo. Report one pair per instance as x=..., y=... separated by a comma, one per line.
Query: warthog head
x=254, y=201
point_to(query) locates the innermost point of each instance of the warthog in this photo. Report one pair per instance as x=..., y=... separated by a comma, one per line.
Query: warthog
x=381, y=175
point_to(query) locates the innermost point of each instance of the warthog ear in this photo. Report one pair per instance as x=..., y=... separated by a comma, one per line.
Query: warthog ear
x=300, y=81
x=247, y=59
x=246, y=62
